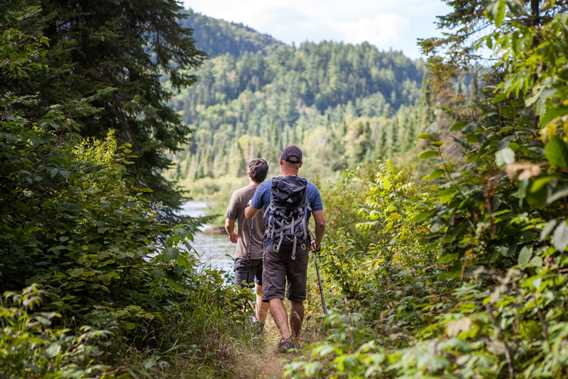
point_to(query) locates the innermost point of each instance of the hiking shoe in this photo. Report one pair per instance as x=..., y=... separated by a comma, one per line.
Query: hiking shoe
x=286, y=345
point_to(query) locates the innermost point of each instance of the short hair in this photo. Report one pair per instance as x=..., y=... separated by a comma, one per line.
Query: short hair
x=257, y=170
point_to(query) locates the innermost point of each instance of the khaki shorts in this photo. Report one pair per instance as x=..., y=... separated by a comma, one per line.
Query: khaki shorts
x=281, y=271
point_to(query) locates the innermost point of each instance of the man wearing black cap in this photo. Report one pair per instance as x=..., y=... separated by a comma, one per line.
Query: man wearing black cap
x=249, y=237
x=289, y=201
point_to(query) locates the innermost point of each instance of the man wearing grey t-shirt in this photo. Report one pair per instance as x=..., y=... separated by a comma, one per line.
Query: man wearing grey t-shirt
x=249, y=235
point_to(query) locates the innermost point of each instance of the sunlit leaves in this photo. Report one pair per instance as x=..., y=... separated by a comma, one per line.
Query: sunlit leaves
x=497, y=11
x=454, y=328
x=503, y=237
x=31, y=344
x=556, y=152
x=525, y=255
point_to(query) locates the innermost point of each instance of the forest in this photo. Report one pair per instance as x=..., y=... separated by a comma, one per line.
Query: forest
x=344, y=103
x=446, y=191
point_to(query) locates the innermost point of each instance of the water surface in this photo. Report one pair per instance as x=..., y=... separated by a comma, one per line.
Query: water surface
x=215, y=251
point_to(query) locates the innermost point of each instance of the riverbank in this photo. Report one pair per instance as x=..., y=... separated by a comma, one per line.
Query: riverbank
x=210, y=243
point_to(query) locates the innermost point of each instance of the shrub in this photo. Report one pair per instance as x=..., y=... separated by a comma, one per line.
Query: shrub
x=31, y=345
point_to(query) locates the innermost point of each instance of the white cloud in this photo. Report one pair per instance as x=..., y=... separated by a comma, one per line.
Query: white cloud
x=383, y=29
x=386, y=24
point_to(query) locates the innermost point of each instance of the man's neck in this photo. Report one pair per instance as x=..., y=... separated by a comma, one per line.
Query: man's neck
x=252, y=183
x=289, y=172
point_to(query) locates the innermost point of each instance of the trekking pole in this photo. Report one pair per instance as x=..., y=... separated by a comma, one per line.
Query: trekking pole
x=319, y=283
x=252, y=307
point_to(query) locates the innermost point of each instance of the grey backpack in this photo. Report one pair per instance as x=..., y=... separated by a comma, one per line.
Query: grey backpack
x=286, y=215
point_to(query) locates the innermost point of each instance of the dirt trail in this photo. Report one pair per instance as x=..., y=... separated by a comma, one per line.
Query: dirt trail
x=265, y=363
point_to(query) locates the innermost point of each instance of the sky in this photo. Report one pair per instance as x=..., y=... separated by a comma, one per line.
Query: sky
x=386, y=24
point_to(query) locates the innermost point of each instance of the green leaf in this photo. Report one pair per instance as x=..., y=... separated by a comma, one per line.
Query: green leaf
x=539, y=183
x=553, y=113
x=437, y=173
x=556, y=152
x=536, y=261
x=499, y=9
x=312, y=369
x=537, y=199
x=447, y=195
x=557, y=196
x=53, y=350
x=504, y=157
x=324, y=350
x=525, y=255
x=422, y=216
x=489, y=41
x=448, y=258
x=560, y=236
x=428, y=154
x=43, y=320
x=547, y=229
x=426, y=136
x=459, y=125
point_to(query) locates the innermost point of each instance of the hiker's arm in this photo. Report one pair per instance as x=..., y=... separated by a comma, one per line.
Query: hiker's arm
x=319, y=218
x=250, y=212
x=233, y=211
x=230, y=228
x=256, y=203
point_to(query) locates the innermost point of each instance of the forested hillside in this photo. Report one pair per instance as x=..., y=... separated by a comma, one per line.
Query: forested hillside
x=217, y=37
x=343, y=103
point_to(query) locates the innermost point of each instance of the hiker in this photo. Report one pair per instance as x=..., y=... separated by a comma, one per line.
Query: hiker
x=289, y=200
x=249, y=237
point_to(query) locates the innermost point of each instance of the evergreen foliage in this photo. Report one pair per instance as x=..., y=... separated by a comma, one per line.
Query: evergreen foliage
x=84, y=124
x=102, y=64
x=341, y=102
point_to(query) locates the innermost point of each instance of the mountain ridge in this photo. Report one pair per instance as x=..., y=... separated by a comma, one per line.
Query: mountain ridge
x=216, y=36
x=346, y=102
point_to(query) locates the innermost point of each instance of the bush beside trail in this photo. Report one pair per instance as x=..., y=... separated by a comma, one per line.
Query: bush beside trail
x=455, y=266
x=97, y=271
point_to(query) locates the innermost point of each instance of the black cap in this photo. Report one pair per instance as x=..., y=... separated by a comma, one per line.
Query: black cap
x=291, y=154
x=257, y=169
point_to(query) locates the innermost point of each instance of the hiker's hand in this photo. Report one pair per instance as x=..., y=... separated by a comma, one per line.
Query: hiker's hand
x=234, y=237
x=314, y=247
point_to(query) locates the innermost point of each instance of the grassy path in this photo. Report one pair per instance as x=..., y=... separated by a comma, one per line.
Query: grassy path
x=265, y=363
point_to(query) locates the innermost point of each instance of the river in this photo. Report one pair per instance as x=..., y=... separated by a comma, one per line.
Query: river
x=215, y=251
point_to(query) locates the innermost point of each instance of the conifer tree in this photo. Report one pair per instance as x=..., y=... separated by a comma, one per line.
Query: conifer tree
x=113, y=53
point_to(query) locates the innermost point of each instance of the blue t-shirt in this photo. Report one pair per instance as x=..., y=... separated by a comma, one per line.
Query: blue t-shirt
x=261, y=197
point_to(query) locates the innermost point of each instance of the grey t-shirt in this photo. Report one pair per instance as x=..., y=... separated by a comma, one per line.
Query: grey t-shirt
x=251, y=232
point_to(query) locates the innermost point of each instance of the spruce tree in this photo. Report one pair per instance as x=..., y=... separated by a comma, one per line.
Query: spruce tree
x=113, y=54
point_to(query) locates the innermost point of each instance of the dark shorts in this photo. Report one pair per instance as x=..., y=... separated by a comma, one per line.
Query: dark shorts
x=281, y=270
x=248, y=270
